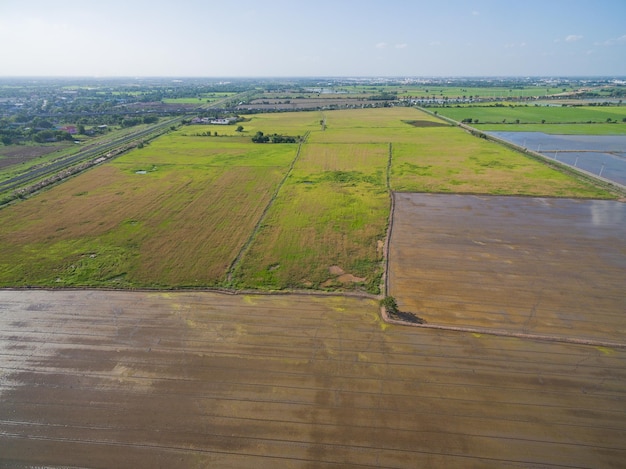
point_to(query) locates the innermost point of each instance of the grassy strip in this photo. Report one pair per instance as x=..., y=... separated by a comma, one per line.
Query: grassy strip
x=557, y=129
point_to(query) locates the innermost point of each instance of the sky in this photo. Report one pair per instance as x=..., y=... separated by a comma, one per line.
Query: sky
x=296, y=38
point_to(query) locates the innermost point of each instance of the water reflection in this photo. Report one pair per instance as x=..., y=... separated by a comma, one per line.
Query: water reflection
x=602, y=155
x=607, y=214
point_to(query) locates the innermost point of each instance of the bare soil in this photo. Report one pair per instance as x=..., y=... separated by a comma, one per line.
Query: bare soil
x=17, y=154
x=136, y=379
x=527, y=265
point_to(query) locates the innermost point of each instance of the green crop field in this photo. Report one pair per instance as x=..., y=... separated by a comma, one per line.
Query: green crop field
x=467, y=164
x=174, y=213
x=179, y=211
x=327, y=225
x=597, y=120
x=380, y=126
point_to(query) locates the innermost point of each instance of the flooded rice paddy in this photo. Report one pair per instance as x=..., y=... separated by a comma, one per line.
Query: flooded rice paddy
x=531, y=265
x=601, y=155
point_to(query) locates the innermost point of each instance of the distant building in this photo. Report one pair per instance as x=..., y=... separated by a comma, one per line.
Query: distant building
x=218, y=121
x=70, y=129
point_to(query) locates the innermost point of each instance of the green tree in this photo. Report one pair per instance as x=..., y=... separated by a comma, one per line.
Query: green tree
x=389, y=303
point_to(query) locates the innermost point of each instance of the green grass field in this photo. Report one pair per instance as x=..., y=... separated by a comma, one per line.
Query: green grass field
x=174, y=213
x=467, y=164
x=177, y=212
x=332, y=211
x=592, y=120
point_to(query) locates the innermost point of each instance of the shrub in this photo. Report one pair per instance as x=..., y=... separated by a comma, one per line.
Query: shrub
x=389, y=303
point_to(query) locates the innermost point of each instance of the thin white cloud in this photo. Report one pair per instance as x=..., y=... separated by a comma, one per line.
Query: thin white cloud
x=434, y=43
x=401, y=46
x=573, y=38
x=381, y=45
x=612, y=42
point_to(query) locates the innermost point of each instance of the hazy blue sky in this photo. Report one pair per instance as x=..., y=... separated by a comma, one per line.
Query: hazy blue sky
x=312, y=38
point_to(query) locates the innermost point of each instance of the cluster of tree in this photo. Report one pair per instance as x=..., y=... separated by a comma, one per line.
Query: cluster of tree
x=132, y=121
x=259, y=137
x=52, y=136
x=384, y=96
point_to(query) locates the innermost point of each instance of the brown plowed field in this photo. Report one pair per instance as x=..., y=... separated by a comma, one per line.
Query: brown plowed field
x=23, y=153
x=134, y=379
x=526, y=265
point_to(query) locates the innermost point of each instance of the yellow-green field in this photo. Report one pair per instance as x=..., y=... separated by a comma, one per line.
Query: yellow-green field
x=179, y=224
x=327, y=223
x=466, y=164
x=180, y=211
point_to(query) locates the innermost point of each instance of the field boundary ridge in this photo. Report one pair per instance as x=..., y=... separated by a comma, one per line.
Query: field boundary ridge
x=502, y=333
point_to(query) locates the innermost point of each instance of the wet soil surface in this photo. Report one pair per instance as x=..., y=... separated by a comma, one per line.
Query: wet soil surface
x=134, y=379
x=526, y=265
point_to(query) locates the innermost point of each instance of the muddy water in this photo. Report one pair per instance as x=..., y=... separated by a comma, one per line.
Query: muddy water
x=533, y=265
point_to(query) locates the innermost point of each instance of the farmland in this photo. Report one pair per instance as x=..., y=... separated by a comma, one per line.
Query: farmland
x=592, y=120
x=470, y=165
x=198, y=379
x=180, y=211
x=155, y=217
x=331, y=212
x=520, y=362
